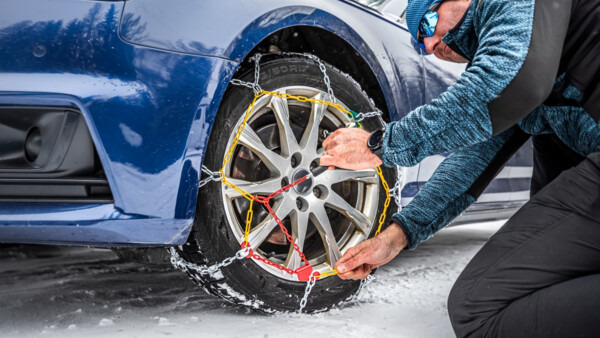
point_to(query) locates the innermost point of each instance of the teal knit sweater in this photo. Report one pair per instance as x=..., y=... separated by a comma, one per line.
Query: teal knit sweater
x=495, y=36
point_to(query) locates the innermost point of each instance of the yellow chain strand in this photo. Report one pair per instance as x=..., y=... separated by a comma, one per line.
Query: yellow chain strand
x=327, y=273
x=386, y=204
x=306, y=99
x=242, y=192
x=248, y=223
x=250, y=197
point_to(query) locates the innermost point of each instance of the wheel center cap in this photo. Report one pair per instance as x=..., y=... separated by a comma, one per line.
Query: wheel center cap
x=304, y=187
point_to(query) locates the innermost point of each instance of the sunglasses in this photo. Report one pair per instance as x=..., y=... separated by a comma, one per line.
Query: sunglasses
x=428, y=24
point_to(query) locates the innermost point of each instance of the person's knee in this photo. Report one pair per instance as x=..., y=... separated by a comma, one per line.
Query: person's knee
x=457, y=306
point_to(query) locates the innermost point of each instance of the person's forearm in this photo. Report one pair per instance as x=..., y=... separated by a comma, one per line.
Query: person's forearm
x=455, y=185
x=433, y=129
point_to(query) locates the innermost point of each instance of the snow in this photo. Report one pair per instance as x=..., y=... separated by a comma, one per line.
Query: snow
x=48, y=291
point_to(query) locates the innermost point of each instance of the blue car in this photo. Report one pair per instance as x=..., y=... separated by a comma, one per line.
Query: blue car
x=120, y=121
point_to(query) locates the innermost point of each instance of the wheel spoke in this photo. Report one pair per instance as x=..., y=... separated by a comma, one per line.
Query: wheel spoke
x=310, y=138
x=321, y=221
x=330, y=177
x=272, y=160
x=262, y=187
x=299, y=228
x=258, y=235
x=261, y=232
x=355, y=216
x=287, y=139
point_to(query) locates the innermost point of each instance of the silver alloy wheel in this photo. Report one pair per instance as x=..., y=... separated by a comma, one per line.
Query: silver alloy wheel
x=279, y=154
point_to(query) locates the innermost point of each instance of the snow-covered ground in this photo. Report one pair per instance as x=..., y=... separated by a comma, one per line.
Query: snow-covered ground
x=82, y=292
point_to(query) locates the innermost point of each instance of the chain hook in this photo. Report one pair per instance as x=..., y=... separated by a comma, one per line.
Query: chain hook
x=256, y=89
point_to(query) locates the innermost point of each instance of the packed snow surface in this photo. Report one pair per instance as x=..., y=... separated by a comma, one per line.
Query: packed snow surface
x=48, y=291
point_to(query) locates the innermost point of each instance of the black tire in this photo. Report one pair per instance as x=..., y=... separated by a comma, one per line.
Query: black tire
x=212, y=240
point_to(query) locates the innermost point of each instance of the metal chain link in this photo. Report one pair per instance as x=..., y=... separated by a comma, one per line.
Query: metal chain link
x=322, y=68
x=363, y=283
x=238, y=82
x=252, y=85
x=379, y=112
x=396, y=191
x=212, y=176
x=309, y=285
x=361, y=116
x=257, y=89
x=179, y=263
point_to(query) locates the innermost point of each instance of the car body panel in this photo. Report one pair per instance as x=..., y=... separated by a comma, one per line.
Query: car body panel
x=148, y=77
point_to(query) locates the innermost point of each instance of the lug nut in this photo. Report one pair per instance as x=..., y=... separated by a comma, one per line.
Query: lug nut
x=317, y=192
x=296, y=160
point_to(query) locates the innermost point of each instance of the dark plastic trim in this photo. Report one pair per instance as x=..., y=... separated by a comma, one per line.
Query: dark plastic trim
x=65, y=166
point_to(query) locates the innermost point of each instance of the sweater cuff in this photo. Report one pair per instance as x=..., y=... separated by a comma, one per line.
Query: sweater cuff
x=396, y=218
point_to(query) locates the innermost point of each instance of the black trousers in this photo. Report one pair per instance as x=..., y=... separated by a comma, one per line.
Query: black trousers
x=550, y=158
x=539, y=275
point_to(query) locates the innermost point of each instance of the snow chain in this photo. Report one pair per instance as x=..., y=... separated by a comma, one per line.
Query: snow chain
x=304, y=273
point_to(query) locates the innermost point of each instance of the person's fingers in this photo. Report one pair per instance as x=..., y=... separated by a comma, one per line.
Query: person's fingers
x=361, y=272
x=353, y=258
x=352, y=274
x=328, y=160
x=333, y=150
x=326, y=142
x=353, y=251
x=331, y=167
x=333, y=142
x=365, y=271
x=352, y=263
x=331, y=137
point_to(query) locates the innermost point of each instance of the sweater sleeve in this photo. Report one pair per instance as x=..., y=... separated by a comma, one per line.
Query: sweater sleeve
x=456, y=184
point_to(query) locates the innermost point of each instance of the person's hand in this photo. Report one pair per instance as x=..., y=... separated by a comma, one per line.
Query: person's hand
x=346, y=148
x=359, y=261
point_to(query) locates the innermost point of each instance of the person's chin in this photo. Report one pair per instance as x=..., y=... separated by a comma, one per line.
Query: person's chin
x=439, y=55
x=442, y=53
x=448, y=53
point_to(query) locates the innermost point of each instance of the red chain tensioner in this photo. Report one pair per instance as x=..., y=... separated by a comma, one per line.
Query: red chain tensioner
x=304, y=272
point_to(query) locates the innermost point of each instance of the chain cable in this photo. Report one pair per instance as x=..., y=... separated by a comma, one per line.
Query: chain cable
x=309, y=285
x=212, y=176
x=363, y=284
x=180, y=263
x=304, y=273
x=396, y=191
x=361, y=116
